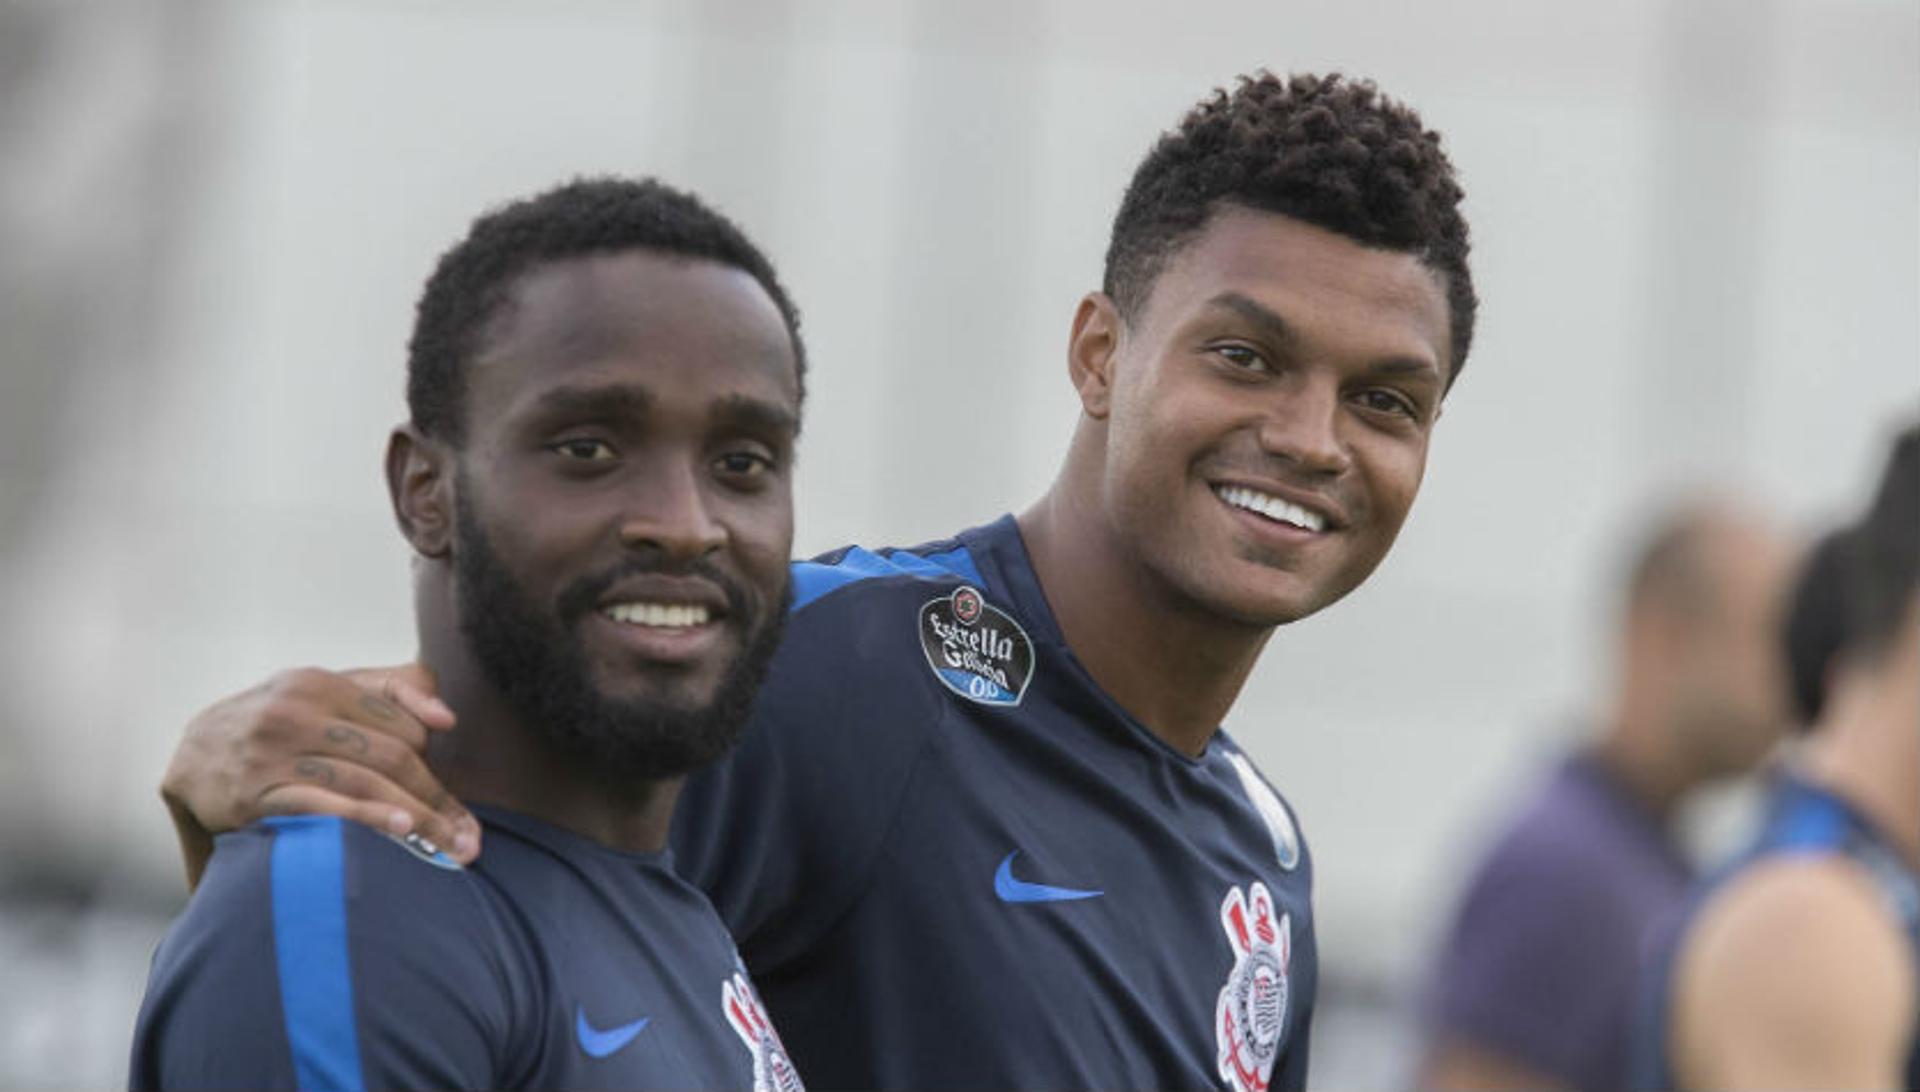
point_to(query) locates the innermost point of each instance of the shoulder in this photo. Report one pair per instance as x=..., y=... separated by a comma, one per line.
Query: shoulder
x=311, y=877
x=882, y=572
x=855, y=641
x=1796, y=970
x=303, y=928
x=1558, y=834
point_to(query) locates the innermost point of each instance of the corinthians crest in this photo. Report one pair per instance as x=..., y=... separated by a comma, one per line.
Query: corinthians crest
x=772, y=1071
x=1252, y=1012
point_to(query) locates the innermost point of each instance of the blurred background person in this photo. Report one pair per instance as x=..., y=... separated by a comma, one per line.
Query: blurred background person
x=1800, y=967
x=1534, y=985
x=1817, y=621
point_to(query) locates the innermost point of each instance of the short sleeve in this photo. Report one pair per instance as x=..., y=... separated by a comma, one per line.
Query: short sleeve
x=321, y=954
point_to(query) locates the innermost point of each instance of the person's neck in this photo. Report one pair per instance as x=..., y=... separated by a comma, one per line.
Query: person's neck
x=491, y=757
x=1635, y=747
x=1863, y=750
x=1172, y=666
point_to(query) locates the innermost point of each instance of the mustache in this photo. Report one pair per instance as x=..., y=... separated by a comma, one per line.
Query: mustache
x=579, y=597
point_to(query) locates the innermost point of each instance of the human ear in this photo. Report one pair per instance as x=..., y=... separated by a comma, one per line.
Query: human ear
x=420, y=485
x=1091, y=352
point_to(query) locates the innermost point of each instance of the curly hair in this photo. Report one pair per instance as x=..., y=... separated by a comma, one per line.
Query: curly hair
x=581, y=218
x=1326, y=150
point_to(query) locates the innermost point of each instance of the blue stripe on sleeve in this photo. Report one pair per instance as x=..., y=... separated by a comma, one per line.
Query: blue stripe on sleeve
x=310, y=945
x=813, y=579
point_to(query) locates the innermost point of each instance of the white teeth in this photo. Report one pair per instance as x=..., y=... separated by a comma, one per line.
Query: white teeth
x=1272, y=507
x=662, y=615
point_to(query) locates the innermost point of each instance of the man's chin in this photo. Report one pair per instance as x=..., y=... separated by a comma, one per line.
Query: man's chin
x=1266, y=598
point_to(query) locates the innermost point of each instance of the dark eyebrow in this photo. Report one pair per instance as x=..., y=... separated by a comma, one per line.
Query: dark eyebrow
x=1276, y=329
x=754, y=415
x=609, y=402
x=1257, y=313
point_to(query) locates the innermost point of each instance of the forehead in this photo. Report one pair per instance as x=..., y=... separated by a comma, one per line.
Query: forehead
x=1329, y=288
x=672, y=324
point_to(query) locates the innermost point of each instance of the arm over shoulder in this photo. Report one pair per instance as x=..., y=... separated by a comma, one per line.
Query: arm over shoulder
x=1795, y=975
x=321, y=954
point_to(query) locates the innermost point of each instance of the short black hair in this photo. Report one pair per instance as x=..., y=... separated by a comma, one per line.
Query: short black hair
x=1817, y=621
x=581, y=218
x=1886, y=552
x=1326, y=150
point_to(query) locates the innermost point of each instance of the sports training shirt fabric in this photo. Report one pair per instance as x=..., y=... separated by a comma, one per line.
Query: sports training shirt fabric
x=952, y=861
x=1542, y=960
x=320, y=954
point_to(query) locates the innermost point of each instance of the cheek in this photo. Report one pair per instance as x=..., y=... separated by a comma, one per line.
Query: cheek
x=1394, y=472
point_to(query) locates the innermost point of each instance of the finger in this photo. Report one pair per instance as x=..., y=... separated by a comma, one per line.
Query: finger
x=413, y=688
x=410, y=688
x=364, y=701
x=299, y=799
x=388, y=806
x=389, y=758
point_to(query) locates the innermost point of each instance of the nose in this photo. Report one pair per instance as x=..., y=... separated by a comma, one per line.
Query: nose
x=668, y=512
x=1302, y=426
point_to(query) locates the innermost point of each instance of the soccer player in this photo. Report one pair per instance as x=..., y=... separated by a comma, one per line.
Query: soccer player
x=1800, y=966
x=604, y=386
x=985, y=829
x=1536, y=981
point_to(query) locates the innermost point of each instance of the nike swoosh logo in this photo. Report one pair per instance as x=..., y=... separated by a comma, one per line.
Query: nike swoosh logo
x=599, y=1044
x=1012, y=890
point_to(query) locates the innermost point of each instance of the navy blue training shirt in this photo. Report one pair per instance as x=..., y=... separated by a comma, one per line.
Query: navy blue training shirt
x=1802, y=818
x=952, y=861
x=321, y=954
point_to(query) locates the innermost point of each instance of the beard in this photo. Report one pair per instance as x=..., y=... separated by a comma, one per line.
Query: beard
x=534, y=658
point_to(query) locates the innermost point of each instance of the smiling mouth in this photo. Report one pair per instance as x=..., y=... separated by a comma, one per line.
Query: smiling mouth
x=1268, y=506
x=668, y=616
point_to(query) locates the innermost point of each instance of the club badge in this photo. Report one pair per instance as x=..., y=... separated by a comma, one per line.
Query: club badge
x=1251, y=1016
x=772, y=1070
x=975, y=649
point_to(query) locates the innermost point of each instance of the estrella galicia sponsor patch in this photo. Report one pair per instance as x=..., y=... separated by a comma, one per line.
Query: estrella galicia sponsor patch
x=976, y=650
x=425, y=850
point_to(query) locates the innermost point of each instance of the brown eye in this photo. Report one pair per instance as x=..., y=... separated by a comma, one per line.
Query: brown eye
x=584, y=450
x=742, y=463
x=1385, y=401
x=1242, y=357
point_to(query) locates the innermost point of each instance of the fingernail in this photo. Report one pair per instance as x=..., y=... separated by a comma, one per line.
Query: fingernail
x=399, y=822
x=465, y=845
x=441, y=707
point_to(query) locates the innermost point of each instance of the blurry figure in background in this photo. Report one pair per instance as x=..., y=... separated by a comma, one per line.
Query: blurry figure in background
x=1799, y=966
x=1817, y=624
x=1535, y=983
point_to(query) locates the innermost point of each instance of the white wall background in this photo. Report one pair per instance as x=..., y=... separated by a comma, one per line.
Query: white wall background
x=1697, y=242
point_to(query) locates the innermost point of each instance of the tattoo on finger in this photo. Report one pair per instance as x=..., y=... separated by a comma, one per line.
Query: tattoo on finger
x=314, y=770
x=351, y=738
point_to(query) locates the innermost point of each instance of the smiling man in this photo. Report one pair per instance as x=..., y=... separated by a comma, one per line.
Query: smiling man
x=985, y=829
x=604, y=384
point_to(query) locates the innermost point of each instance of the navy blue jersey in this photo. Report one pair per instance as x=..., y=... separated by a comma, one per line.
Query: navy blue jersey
x=952, y=861
x=1801, y=818
x=322, y=954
